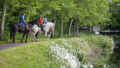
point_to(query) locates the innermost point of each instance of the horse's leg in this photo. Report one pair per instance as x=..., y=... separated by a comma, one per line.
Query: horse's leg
x=22, y=37
x=49, y=36
x=31, y=37
x=26, y=37
x=14, y=37
x=45, y=35
x=36, y=36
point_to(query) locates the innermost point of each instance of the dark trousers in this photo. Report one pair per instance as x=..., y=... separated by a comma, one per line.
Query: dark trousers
x=41, y=26
x=25, y=23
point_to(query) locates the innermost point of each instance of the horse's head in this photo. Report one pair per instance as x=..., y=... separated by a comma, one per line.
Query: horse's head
x=53, y=20
x=49, y=27
x=52, y=25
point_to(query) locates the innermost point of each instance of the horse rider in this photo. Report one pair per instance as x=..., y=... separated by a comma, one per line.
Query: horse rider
x=45, y=19
x=41, y=22
x=22, y=17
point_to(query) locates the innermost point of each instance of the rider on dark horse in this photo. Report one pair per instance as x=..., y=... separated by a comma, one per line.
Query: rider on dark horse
x=22, y=17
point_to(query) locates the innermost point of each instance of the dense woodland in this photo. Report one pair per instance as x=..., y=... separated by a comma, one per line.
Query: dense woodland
x=69, y=14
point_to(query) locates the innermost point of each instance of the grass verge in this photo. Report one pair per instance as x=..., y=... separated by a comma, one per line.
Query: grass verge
x=37, y=54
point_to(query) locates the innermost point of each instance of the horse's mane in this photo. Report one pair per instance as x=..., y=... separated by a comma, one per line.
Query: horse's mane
x=49, y=22
x=33, y=22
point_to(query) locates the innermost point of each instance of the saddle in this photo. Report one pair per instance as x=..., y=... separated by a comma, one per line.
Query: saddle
x=22, y=27
x=41, y=26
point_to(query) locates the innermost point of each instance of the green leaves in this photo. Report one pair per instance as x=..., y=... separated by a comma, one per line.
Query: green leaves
x=114, y=11
x=88, y=12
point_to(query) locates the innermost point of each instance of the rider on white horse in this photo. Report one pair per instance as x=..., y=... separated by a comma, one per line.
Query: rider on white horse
x=45, y=19
x=41, y=22
x=48, y=29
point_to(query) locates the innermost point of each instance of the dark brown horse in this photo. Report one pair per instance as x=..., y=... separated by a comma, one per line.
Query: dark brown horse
x=17, y=27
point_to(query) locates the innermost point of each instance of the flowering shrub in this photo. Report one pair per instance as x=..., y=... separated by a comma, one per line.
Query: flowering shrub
x=85, y=51
x=62, y=55
x=71, y=53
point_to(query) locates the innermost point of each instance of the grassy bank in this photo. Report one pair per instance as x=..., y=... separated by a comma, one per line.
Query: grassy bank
x=52, y=53
x=31, y=55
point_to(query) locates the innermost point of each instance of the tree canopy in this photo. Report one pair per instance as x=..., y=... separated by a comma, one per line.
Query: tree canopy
x=87, y=12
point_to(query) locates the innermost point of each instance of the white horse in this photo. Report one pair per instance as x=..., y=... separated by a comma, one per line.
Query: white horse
x=48, y=29
x=35, y=30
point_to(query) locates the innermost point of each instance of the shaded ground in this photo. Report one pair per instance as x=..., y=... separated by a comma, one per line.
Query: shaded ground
x=4, y=46
x=117, y=49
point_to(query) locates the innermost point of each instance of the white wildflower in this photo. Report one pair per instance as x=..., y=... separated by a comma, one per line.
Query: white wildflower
x=85, y=66
x=61, y=53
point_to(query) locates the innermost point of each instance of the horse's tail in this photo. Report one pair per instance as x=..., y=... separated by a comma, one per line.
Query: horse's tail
x=11, y=31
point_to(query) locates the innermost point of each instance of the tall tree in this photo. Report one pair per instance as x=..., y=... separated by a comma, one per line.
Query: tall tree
x=114, y=22
x=70, y=25
x=3, y=19
x=61, y=27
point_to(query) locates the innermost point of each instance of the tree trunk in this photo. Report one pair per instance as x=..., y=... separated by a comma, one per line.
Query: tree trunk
x=28, y=15
x=75, y=27
x=70, y=26
x=3, y=19
x=61, y=27
x=54, y=27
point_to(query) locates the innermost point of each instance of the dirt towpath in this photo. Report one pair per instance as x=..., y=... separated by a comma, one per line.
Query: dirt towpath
x=5, y=46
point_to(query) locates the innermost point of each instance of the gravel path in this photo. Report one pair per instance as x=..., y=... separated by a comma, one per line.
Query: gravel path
x=4, y=46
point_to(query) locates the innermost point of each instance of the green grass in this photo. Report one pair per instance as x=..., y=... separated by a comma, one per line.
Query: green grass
x=31, y=55
x=36, y=54
x=98, y=42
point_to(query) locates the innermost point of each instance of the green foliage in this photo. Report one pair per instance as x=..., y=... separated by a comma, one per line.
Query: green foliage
x=80, y=56
x=115, y=15
x=100, y=41
x=86, y=12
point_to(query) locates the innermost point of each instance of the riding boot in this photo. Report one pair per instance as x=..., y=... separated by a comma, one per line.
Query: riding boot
x=42, y=27
x=26, y=27
x=20, y=27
